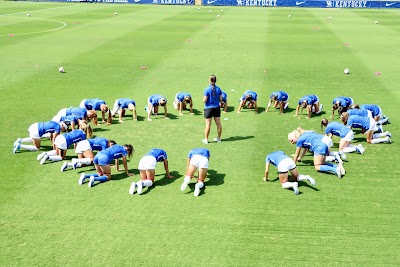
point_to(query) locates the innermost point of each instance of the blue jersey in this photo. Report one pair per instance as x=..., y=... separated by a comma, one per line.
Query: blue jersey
x=375, y=110
x=280, y=96
x=69, y=119
x=182, y=95
x=310, y=99
x=111, y=153
x=48, y=127
x=253, y=95
x=94, y=104
x=81, y=112
x=337, y=128
x=199, y=151
x=359, y=122
x=224, y=97
x=159, y=154
x=359, y=112
x=343, y=101
x=124, y=102
x=309, y=140
x=213, y=96
x=98, y=143
x=74, y=137
x=153, y=99
x=276, y=157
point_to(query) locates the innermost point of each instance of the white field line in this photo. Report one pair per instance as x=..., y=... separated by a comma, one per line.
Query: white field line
x=25, y=33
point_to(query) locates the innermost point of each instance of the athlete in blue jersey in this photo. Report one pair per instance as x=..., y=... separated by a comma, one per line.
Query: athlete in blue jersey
x=36, y=133
x=312, y=141
x=82, y=113
x=285, y=165
x=346, y=136
x=224, y=102
x=67, y=121
x=311, y=102
x=153, y=102
x=120, y=105
x=147, y=169
x=280, y=100
x=343, y=102
x=102, y=162
x=62, y=142
x=85, y=149
x=182, y=99
x=212, y=99
x=376, y=113
x=96, y=104
x=367, y=126
x=249, y=98
x=196, y=159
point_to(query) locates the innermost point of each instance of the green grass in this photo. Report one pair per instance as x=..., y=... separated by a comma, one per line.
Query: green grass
x=46, y=219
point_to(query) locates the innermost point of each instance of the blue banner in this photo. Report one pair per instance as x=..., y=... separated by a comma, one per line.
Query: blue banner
x=302, y=3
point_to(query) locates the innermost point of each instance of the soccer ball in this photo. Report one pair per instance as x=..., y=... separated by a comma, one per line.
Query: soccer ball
x=218, y=15
x=116, y=13
x=61, y=69
x=222, y=10
x=28, y=15
x=210, y=11
x=289, y=16
x=346, y=71
x=376, y=22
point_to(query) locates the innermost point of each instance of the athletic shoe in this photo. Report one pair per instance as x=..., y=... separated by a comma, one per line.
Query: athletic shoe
x=132, y=188
x=360, y=149
x=296, y=188
x=338, y=159
x=205, y=141
x=139, y=187
x=343, y=155
x=41, y=155
x=82, y=178
x=64, y=166
x=17, y=146
x=380, y=129
x=342, y=170
x=216, y=139
x=91, y=181
x=338, y=173
x=311, y=180
x=18, y=141
x=74, y=163
x=44, y=159
x=184, y=185
x=389, y=134
x=196, y=190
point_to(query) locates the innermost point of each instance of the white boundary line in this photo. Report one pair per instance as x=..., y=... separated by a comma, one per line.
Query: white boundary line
x=25, y=33
x=37, y=10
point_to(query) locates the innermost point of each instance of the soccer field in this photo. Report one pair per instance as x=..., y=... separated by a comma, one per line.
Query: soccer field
x=47, y=219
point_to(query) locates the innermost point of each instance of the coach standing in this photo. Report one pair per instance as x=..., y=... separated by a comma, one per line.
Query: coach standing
x=212, y=98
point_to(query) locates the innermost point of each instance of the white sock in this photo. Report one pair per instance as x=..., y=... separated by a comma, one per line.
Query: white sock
x=55, y=158
x=377, y=135
x=148, y=183
x=86, y=161
x=301, y=177
x=78, y=165
x=350, y=148
x=26, y=140
x=380, y=140
x=383, y=120
x=330, y=158
x=187, y=179
x=288, y=185
x=320, y=109
x=286, y=105
x=29, y=147
x=51, y=153
x=200, y=184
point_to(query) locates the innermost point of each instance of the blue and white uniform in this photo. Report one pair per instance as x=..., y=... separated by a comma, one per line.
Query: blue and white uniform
x=92, y=104
x=314, y=142
x=65, y=140
x=338, y=129
x=252, y=94
x=375, y=109
x=213, y=96
x=199, y=157
x=280, y=160
x=37, y=130
x=67, y=119
x=98, y=144
x=154, y=100
x=180, y=97
x=359, y=112
x=359, y=122
x=310, y=100
x=148, y=161
x=280, y=96
x=106, y=156
x=343, y=101
x=123, y=103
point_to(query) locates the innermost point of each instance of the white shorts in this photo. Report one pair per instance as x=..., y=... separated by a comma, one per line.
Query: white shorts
x=199, y=161
x=369, y=113
x=327, y=140
x=349, y=136
x=62, y=112
x=34, y=131
x=147, y=163
x=286, y=165
x=372, y=124
x=82, y=104
x=115, y=108
x=380, y=112
x=60, y=142
x=82, y=146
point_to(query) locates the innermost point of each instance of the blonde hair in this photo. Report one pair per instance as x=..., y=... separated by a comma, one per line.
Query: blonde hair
x=91, y=114
x=85, y=127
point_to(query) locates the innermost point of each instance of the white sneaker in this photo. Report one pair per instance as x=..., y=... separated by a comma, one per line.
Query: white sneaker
x=41, y=155
x=216, y=139
x=196, y=190
x=205, y=141
x=16, y=147
x=338, y=173
x=360, y=149
x=184, y=185
x=132, y=188
x=311, y=180
x=343, y=155
x=18, y=141
x=338, y=159
x=44, y=159
x=64, y=166
x=296, y=188
x=82, y=178
x=389, y=134
x=91, y=181
x=139, y=187
x=342, y=170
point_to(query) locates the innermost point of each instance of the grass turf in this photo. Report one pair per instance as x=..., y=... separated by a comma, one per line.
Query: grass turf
x=239, y=220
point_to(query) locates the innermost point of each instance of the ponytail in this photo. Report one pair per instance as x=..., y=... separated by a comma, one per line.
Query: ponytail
x=85, y=127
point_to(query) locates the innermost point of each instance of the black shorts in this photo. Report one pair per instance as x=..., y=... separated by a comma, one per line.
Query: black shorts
x=212, y=112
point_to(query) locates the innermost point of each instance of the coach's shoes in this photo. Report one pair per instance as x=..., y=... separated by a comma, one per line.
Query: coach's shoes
x=44, y=159
x=64, y=166
x=311, y=180
x=132, y=188
x=139, y=186
x=205, y=141
x=216, y=139
x=41, y=155
x=296, y=188
x=91, y=181
x=82, y=179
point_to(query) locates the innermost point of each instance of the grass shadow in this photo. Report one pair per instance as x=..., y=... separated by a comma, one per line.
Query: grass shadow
x=215, y=179
x=237, y=138
x=162, y=182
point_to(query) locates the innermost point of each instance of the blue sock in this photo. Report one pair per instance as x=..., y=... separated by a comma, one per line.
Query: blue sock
x=91, y=174
x=103, y=178
x=331, y=165
x=327, y=168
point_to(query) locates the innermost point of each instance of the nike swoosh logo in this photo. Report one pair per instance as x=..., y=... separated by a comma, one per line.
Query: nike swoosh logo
x=211, y=2
x=390, y=4
x=136, y=1
x=299, y=3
